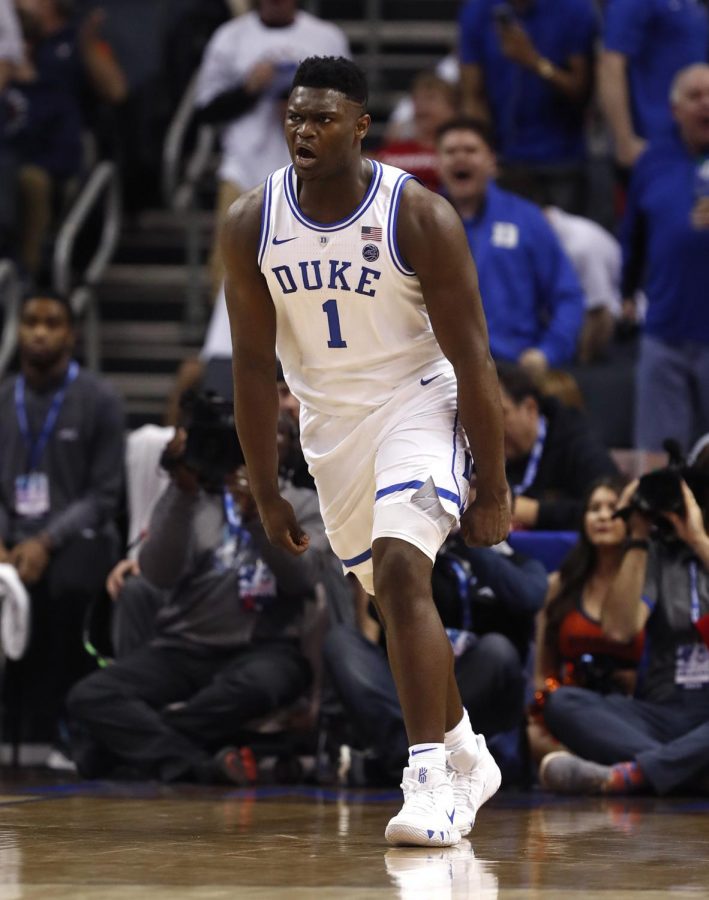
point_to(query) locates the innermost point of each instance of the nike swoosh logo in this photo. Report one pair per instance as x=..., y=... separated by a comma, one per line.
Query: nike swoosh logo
x=284, y=240
x=425, y=381
x=451, y=815
x=424, y=750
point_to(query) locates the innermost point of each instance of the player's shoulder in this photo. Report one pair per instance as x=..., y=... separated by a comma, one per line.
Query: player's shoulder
x=243, y=218
x=423, y=204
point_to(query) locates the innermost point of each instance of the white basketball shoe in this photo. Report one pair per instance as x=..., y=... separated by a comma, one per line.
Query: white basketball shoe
x=472, y=789
x=428, y=816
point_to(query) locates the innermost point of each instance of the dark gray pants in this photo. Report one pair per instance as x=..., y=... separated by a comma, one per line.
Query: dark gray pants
x=489, y=676
x=669, y=741
x=672, y=393
x=163, y=710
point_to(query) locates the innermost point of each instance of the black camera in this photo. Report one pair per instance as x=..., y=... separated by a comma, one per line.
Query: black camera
x=660, y=492
x=212, y=450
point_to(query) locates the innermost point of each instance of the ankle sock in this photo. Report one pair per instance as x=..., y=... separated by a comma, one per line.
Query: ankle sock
x=431, y=755
x=624, y=778
x=460, y=743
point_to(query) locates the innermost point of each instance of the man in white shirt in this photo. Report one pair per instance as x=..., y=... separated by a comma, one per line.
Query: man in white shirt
x=242, y=84
x=596, y=257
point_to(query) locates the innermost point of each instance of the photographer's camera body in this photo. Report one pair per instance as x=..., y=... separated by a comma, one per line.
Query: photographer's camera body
x=212, y=450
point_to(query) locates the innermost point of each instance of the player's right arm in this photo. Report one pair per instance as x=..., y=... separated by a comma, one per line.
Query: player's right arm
x=433, y=242
x=252, y=319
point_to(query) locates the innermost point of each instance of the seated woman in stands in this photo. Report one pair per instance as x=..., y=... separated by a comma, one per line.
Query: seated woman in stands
x=571, y=647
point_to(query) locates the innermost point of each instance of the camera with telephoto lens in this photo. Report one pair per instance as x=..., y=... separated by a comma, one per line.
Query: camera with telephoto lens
x=660, y=492
x=212, y=450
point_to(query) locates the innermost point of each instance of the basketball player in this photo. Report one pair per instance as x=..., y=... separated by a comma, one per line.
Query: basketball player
x=364, y=282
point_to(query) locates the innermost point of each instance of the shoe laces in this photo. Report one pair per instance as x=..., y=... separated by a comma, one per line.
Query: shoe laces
x=465, y=784
x=418, y=798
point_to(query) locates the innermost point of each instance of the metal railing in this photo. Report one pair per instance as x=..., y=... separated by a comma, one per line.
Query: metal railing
x=102, y=186
x=10, y=291
x=181, y=177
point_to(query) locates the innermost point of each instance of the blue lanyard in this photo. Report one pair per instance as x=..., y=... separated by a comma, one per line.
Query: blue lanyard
x=694, y=592
x=464, y=590
x=35, y=448
x=530, y=473
x=233, y=520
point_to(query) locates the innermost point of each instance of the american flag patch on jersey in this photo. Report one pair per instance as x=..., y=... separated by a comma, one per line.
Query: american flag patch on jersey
x=371, y=234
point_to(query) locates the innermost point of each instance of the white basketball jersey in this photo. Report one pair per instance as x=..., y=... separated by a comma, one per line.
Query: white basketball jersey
x=352, y=324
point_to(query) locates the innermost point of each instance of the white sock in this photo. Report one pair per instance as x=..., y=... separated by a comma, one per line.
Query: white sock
x=431, y=755
x=461, y=745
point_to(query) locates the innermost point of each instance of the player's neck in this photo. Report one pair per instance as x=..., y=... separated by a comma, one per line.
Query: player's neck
x=332, y=199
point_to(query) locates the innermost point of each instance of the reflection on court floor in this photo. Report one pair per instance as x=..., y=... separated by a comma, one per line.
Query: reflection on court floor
x=72, y=839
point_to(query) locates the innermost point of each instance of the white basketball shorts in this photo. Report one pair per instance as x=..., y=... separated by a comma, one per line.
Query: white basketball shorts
x=402, y=471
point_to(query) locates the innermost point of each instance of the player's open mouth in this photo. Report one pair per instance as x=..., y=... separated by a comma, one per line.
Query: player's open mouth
x=304, y=156
x=461, y=175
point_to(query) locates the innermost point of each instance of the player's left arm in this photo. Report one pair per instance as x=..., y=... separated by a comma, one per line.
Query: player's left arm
x=432, y=240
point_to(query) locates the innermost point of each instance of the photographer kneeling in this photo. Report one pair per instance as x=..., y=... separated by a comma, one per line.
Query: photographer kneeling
x=658, y=740
x=226, y=644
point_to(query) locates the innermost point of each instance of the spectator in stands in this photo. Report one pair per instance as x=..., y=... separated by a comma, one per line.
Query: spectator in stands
x=656, y=741
x=487, y=599
x=526, y=67
x=596, y=257
x=434, y=103
x=61, y=464
x=243, y=81
x=552, y=455
x=571, y=648
x=225, y=648
x=11, y=54
x=666, y=234
x=532, y=298
x=61, y=62
x=400, y=124
x=645, y=44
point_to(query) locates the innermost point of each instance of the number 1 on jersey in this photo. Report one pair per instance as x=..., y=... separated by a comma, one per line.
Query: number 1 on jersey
x=333, y=324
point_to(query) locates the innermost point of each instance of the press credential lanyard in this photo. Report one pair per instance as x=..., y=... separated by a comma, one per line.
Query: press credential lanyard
x=694, y=592
x=530, y=473
x=233, y=520
x=35, y=447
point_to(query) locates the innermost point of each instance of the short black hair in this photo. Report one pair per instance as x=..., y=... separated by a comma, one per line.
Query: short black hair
x=467, y=123
x=517, y=382
x=50, y=294
x=334, y=72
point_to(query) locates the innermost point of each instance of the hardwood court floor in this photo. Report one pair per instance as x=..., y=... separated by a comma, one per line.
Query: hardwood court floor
x=70, y=839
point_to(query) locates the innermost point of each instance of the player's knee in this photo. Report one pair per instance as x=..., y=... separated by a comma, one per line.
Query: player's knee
x=402, y=575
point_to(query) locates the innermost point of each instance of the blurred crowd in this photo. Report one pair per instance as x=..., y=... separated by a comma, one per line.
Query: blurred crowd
x=149, y=630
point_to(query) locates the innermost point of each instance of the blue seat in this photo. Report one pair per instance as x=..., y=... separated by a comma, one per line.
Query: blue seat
x=549, y=547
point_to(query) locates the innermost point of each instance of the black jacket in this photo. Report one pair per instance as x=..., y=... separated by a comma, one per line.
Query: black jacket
x=572, y=459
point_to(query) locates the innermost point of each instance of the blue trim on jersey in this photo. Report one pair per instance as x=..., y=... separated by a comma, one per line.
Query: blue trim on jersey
x=393, y=488
x=265, y=219
x=449, y=495
x=292, y=199
x=356, y=560
x=455, y=451
x=392, y=241
x=415, y=485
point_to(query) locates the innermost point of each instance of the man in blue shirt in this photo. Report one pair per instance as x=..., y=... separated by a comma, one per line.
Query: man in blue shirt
x=526, y=66
x=533, y=301
x=668, y=218
x=646, y=42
